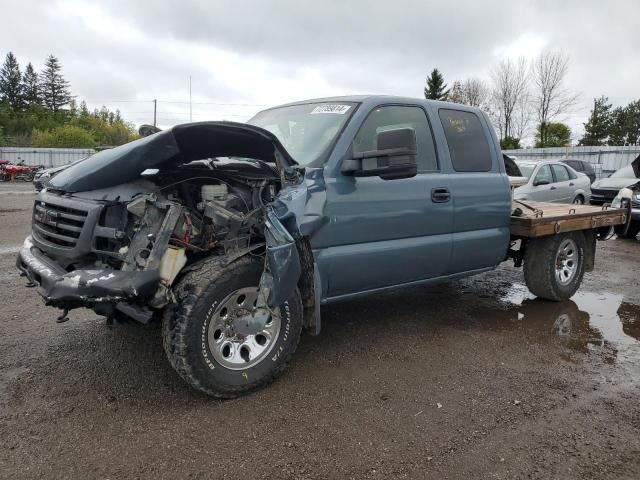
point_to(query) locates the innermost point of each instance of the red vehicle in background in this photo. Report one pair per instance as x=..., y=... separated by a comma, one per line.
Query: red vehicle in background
x=9, y=172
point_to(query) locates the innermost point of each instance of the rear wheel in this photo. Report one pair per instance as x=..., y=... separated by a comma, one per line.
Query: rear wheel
x=579, y=200
x=554, y=265
x=214, y=336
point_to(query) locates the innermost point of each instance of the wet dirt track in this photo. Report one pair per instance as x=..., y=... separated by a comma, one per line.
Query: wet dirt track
x=472, y=379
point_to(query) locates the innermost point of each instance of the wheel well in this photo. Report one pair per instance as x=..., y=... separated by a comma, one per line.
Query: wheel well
x=306, y=281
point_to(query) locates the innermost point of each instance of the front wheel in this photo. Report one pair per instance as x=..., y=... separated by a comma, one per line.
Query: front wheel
x=579, y=200
x=211, y=335
x=554, y=265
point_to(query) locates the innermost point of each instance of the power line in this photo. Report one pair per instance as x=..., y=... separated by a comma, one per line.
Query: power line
x=182, y=102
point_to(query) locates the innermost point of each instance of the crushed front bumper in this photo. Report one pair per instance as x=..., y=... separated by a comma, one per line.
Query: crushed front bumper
x=83, y=288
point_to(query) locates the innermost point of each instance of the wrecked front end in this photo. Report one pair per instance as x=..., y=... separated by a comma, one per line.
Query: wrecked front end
x=114, y=232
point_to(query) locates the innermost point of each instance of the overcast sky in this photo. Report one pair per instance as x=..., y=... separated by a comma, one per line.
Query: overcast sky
x=243, y=55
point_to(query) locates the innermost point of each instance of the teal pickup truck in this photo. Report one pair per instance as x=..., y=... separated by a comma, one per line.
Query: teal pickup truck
x=233, y=235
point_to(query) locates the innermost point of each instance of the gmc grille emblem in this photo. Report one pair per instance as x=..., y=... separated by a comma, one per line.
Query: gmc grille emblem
x=49, y=217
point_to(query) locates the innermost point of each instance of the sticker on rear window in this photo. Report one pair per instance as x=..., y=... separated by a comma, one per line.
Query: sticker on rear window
x=339, y=109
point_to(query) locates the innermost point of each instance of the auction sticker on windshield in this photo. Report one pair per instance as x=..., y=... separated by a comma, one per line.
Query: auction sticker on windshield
x=339, y=109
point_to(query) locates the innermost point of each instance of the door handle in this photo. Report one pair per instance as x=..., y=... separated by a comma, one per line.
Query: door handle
x=440, y=195
x=552, y=188
x=571, y=184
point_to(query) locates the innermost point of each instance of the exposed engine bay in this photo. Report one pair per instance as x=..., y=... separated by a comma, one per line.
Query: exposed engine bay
x=120, y=247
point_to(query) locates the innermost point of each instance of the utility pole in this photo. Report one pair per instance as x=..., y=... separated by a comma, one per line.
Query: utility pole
x=155, y=105
x=190, y=102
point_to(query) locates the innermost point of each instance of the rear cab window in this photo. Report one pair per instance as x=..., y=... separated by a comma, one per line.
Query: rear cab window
x=468, y=144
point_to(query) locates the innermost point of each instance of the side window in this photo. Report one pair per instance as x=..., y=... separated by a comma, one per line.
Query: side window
x=468, y=145
x=392, y=117
x=543, y=175
x=561, y=173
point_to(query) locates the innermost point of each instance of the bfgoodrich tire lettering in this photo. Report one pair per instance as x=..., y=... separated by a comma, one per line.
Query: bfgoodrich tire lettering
x=186, y=323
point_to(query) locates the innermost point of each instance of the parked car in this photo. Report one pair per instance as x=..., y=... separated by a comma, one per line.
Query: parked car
x=581, y=166
x=236, y=233
x=552, y=181
x=605, y=189
x=630, y=197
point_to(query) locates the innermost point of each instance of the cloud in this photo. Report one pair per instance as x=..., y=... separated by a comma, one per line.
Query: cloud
x=125, y=53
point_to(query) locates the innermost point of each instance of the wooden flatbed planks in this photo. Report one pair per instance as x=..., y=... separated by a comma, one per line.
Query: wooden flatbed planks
x=539, y=219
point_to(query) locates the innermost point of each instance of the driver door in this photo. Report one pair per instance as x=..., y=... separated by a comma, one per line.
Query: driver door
x=387, y=232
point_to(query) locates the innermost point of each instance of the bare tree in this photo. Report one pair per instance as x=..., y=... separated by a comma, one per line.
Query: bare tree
x=509, y=86
x=550, y=98
x=457, y=93
x=522, y=117
x=476, y=92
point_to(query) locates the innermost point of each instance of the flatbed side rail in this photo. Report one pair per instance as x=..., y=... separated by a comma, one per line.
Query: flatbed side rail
x=537, y=219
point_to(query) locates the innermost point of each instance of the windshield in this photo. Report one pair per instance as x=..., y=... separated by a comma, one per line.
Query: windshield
x=526, y=168
x=626, y=172
x=306, y=131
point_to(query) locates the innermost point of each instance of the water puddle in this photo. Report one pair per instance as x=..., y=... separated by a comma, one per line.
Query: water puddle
x=602, y=323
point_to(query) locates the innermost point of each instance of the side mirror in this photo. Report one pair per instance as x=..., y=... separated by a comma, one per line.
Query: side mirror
x=537, y=183
x=394, y=158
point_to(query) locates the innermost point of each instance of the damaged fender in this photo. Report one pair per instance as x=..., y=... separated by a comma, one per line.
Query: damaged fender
x=295, y=215
x=284, y=270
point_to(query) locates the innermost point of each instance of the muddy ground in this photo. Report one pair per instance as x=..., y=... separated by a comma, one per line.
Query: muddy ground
x=472, y=379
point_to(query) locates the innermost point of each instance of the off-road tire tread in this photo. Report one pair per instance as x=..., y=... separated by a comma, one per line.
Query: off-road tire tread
x=201, y=277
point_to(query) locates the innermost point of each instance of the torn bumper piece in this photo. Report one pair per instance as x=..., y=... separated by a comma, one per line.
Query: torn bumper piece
x=83, y=288
x=284, y=262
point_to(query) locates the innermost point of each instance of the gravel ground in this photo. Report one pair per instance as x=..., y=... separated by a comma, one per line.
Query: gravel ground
x=471, y=379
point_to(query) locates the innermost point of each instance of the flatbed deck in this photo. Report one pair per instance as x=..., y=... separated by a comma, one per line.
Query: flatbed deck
x=538, y=219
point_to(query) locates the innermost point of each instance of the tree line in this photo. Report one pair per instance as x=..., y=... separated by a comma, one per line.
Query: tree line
x=37, y=109
x=522, y=93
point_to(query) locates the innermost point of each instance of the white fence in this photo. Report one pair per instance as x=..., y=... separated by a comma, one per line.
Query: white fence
x=48, y=157
x=605, y=160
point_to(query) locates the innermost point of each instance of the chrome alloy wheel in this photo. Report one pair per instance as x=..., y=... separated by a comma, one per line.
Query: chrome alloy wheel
x=567, y=261
x=233, y=344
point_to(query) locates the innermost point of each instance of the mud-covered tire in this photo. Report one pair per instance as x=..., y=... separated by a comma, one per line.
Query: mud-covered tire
x=540, y=263
x=186, y=322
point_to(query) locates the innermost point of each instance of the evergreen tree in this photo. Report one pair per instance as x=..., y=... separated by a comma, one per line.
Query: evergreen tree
x=53, y=87
x=625, y=125
x=11, y=83
x=30, y=87
x=596, y=129
x=73, y=108
x=84, y=110
x=436, y=89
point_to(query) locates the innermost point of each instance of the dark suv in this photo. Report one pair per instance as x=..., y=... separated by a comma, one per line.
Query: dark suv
x=581, y=166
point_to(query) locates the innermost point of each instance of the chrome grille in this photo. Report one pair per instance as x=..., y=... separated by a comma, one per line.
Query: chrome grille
x=56, y=224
